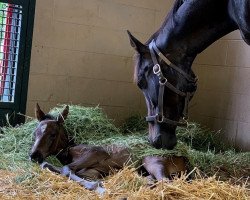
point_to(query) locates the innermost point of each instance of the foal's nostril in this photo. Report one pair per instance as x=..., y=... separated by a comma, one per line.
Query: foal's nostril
x=36, y=157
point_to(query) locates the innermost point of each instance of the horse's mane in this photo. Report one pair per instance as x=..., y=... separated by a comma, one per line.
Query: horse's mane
x=170, y=18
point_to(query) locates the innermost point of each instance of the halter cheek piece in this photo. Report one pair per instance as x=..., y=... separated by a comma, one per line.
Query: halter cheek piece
x=163, y=82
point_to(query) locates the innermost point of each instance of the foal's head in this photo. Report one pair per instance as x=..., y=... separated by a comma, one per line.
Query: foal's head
x=50, y=135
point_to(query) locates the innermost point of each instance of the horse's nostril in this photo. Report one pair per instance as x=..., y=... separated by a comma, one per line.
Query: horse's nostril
x=36, y=157
x=164, y=141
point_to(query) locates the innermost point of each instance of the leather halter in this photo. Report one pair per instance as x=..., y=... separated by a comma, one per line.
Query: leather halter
x=159, y=116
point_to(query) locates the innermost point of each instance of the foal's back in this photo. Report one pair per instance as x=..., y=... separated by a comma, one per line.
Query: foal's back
x=94, y=162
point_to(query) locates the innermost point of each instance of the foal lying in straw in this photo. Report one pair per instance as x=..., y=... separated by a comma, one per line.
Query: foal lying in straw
x=87, y=164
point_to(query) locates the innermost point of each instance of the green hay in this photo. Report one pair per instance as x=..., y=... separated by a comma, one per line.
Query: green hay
x=87, y=122
x=134, y=124
x=201, y=138
x=91, y=125
x=15, y=144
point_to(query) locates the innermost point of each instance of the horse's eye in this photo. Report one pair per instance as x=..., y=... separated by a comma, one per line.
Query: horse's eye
x=142, y=84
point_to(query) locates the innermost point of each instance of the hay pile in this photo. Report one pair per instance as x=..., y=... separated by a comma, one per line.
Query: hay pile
x=125, y=183
x=21, y=179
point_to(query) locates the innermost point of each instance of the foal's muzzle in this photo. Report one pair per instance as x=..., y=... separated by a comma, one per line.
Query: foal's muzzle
x=36, y=157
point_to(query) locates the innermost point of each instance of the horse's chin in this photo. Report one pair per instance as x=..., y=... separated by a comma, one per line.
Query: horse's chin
x=164, y=141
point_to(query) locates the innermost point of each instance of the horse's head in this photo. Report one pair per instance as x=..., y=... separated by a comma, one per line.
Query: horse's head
x=166, y=92
x=50, y=135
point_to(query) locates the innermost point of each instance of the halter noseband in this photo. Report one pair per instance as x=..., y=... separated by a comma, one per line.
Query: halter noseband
x=159, y=116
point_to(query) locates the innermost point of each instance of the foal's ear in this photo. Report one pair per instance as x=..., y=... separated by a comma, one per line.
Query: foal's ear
x=63, y=115
x=39, y=113
x=137, y=45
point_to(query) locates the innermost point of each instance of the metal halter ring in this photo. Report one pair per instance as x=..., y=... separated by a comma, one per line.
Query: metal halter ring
x=185, y=118
x=163, y=81
x=157, y=69
x=159, y=118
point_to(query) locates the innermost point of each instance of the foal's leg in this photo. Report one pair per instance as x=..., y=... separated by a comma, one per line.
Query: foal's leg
x=51, y=167
x=91, y=174
x=155, y=167
x=90, y=185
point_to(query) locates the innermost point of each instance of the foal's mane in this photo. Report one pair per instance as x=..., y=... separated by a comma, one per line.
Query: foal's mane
x=170, y=18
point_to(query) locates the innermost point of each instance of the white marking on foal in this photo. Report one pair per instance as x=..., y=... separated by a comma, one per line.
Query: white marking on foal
x=42, y=128
x=35, y=144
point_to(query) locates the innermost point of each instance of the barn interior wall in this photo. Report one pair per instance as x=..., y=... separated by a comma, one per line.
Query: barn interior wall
x=81, y=53
x=222, y=101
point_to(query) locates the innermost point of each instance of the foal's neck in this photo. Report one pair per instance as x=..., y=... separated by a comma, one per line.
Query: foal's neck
x=64, y=144
x=64, y=157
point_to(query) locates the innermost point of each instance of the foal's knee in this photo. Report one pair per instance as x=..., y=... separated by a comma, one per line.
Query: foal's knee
x=155, y=167
x=163, y=168
x=65, y=171
x=91, y=174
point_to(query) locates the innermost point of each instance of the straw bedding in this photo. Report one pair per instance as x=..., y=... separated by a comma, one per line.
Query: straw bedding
x=20, y=179
x=126, y=183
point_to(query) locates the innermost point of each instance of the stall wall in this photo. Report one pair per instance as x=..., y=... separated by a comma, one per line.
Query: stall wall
x=81, y=53
x=223, y=98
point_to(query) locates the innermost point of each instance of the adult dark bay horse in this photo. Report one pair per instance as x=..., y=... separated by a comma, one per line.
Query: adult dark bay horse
x=90, y=162
x=163, y=65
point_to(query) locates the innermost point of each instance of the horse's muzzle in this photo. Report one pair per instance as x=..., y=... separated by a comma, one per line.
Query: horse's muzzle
x=164, y=141
x=36, y=157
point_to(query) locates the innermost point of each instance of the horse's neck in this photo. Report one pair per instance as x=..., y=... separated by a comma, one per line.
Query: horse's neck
x=192, y=28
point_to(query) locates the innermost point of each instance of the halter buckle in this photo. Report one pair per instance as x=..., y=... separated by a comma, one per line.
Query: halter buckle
x=159, y=118
x=157, y=71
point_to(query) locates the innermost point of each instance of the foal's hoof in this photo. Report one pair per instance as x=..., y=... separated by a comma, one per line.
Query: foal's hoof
x=90, y=185
x=151, y=182
x=44, y=165
x=100, y=190
x=93, y=186
x=167, y=180
x=65, y=170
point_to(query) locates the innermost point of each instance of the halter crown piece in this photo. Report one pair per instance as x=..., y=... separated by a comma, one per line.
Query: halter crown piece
x=159, y=116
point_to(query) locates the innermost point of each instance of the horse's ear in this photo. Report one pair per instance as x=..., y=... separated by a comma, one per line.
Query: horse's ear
x=136, y=44
x=63, y=115
x=39, y=113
